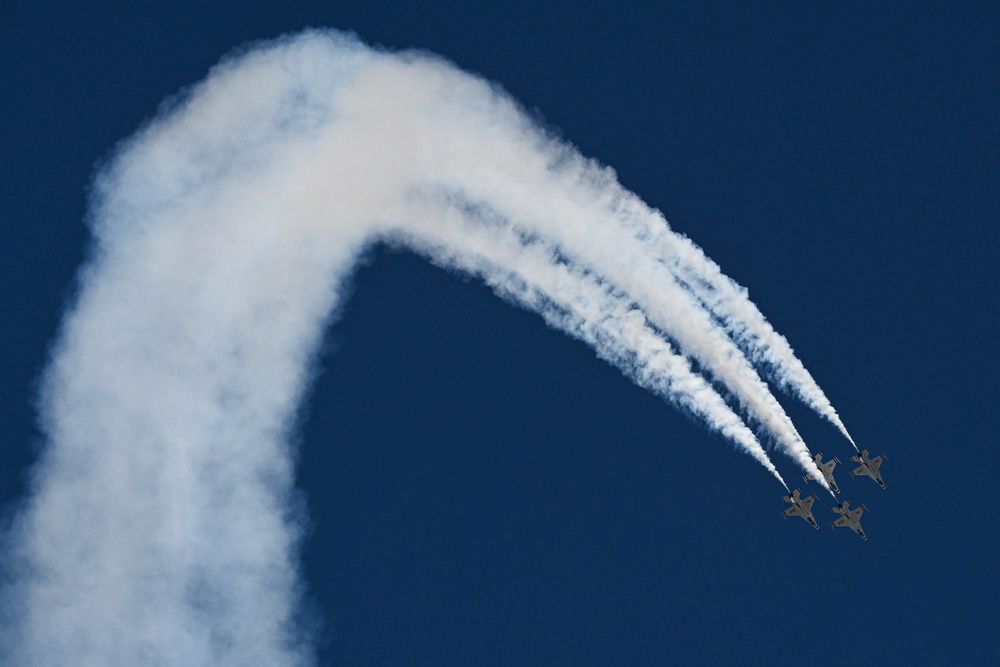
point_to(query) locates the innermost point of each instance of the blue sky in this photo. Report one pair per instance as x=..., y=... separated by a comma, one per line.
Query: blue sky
x=484, y=490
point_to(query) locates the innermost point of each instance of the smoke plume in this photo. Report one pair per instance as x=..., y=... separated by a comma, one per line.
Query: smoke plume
x=159, y=529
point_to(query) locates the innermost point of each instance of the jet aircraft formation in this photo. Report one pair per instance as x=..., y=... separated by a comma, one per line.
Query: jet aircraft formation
x=849, y=518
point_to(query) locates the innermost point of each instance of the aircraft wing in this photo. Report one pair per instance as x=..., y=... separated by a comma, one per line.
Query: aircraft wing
x=860, y=470
x=856, y=513
x=794, y=510
x=841, y=522
x=877, y=461
x=807, y=503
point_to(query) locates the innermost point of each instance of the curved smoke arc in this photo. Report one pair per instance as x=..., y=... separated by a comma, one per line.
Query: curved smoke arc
x=158, y=530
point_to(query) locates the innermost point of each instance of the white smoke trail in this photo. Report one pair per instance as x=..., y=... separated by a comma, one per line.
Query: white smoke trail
x=745, y=323
x=559, y=196
x=702, y=277
x=575, y=302
x=159, y=529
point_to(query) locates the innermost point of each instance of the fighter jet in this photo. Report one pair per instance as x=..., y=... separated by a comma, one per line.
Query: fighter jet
x=850, y=518
x=826, y=469
x=800, y=507
x=869, y=466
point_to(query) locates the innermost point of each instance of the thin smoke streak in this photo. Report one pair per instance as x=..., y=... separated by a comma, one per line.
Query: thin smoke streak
x=579, y=304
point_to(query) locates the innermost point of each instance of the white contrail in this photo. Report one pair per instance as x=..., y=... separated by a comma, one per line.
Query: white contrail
x=597, y=188
x=492, y=153
x=575, y=302
x=745, y=323
x=159, y=530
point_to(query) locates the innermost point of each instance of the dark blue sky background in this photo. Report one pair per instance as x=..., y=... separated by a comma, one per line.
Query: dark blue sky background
x=483, y=490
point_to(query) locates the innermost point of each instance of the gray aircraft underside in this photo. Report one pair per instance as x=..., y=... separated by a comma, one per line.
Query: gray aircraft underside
x=800, y=507
x=869, y=467
x=849, y=518
x=827, y=470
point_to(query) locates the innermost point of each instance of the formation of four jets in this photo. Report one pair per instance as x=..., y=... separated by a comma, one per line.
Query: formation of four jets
x=850, y=518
